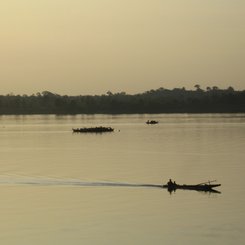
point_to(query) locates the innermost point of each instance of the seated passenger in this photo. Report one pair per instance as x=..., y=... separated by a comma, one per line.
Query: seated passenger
x=170, y=183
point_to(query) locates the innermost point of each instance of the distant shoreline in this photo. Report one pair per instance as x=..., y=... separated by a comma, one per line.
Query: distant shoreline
x=178, y=100
x=115, y=114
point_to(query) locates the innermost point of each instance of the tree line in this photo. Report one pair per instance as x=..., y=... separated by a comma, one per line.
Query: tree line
x=161, y=100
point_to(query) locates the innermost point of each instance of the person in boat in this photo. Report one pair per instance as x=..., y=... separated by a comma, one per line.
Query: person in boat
x=171, y=184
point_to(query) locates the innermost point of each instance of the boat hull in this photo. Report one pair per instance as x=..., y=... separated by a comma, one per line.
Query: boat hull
x=192, y=187
x=93, y=130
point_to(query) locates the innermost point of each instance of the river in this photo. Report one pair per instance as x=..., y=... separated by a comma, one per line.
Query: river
x=60, y=187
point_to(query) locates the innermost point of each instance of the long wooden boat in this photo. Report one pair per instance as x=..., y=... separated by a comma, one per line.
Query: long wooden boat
x=93, y=130
x=200, y=187
x=152, y=122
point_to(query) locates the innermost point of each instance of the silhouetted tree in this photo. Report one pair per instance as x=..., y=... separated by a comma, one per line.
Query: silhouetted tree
x=230, y=89
x=197, y=86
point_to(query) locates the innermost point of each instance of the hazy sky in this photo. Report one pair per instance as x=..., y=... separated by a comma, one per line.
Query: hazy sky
x=92, y=46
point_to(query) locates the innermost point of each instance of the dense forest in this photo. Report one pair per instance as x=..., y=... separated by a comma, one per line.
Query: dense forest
x=177, y=100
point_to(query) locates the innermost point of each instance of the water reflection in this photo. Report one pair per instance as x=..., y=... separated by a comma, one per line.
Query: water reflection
x=173, y=190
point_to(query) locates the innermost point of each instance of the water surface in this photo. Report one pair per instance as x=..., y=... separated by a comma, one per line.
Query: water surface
x=58, y=187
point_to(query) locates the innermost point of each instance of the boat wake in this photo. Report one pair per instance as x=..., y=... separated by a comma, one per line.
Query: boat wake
x=17, y=180
x=68, y=182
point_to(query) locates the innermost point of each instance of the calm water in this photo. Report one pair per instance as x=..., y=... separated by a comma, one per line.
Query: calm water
x=58, y=187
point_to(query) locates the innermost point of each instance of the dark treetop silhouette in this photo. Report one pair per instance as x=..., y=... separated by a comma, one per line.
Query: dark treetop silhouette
x=177, y=100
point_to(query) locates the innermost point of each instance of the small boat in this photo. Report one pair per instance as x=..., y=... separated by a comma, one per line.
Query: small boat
x=151, y=122
x=207, y=187
x=93, y=130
